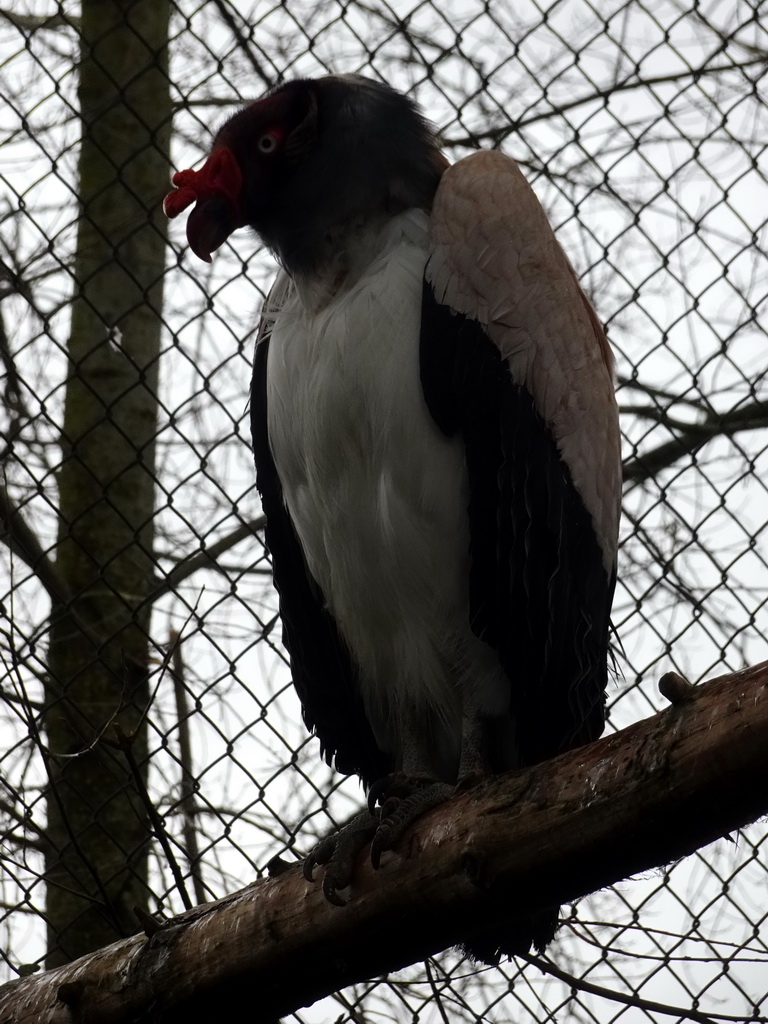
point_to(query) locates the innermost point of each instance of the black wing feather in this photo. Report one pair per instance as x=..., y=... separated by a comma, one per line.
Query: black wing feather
x=539, y=592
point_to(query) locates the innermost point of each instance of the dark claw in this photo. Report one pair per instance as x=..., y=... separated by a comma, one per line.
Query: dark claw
x=406, y=801
x=329, y=891
x=378, y=790
x=380, y=842
x=337, y=853
x=389, y=807
x=384, y=839
x=308, y=867
x=394, y=786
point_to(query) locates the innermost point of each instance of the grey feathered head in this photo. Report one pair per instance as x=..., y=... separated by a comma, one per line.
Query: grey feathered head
x=309, y=158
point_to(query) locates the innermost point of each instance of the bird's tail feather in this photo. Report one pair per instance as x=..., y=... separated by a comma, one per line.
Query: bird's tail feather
x=514, y=938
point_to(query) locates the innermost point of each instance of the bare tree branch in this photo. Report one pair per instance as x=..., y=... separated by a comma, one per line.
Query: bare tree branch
x=206, y=559
x=22, y=540
x=531, y=839
x=690, y=436
x=20, y=838
x=497, y=135
x=648, y=1005
x=188, y=781
x=227, y=16
x=125, y=743
x=33, y=22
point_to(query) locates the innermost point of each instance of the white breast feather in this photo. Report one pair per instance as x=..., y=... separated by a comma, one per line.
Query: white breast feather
x=377, y=494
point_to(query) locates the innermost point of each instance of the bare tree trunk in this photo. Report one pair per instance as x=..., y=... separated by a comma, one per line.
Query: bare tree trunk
x=96, y=865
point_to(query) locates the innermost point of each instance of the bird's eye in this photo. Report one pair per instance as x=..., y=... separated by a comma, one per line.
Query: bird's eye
x=267, y=143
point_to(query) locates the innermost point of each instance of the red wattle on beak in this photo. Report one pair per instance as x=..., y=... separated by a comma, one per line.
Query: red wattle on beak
x=215, y=189
x=182, y=195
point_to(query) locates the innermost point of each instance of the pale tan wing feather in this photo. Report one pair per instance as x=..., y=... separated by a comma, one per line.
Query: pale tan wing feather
x=496, y=259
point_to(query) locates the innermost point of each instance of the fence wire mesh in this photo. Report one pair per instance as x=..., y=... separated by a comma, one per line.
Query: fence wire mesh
x=152, y=748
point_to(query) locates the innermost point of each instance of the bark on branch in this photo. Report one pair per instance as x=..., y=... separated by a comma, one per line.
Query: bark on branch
x=642, y=797
x=689, y=437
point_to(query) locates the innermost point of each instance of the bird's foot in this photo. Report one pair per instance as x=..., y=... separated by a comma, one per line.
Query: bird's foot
x=403, y=799
x=338, y=852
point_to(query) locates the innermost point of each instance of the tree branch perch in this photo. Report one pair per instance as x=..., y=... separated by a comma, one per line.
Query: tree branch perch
x=690, y=437
x=640, y=798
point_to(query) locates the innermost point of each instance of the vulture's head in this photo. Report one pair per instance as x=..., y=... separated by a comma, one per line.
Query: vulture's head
x=310, y=158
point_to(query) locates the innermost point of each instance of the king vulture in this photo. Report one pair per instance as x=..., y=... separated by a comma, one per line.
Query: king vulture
x=437, y=450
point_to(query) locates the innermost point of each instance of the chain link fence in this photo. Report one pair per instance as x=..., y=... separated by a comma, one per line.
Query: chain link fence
x=152, y=749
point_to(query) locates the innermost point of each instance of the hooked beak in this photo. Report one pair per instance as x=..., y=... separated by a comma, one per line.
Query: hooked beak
x=210, y=224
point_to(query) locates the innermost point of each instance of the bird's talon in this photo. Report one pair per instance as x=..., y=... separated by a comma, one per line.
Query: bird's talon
x=329, y=891
x=308, y=868
x=389, y=807
x=375, y=855
x=381, y=842
x=380, y=790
